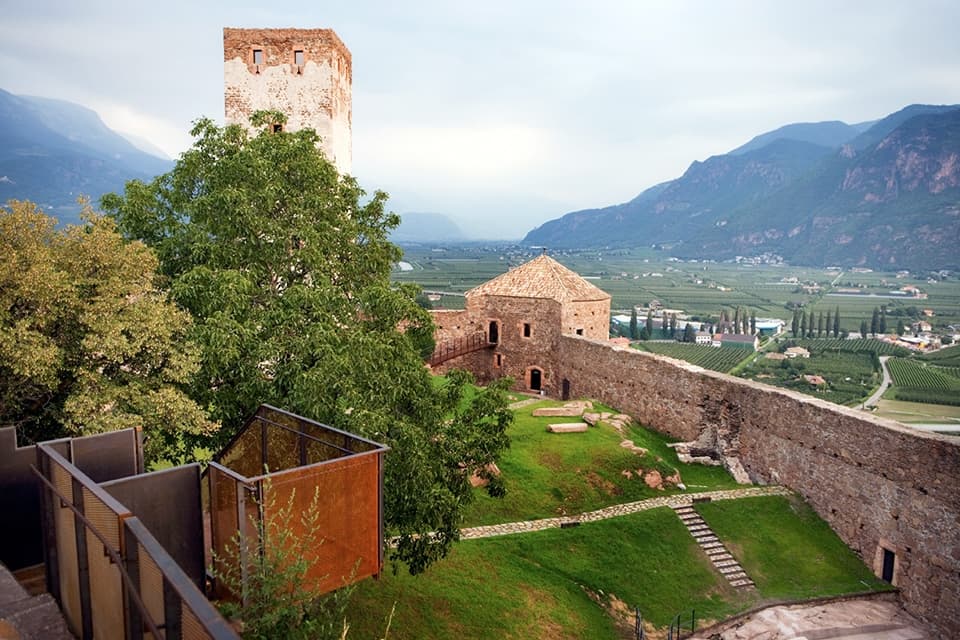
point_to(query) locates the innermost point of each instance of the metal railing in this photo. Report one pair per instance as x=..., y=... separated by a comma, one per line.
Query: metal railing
x=450, y=349
x=679, y=625
x=128, y=585
x=134, y=588
x=638, y=631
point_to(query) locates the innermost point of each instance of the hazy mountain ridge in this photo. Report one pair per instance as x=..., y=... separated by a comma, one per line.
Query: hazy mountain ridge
x=887, y=196
x=52, y=151
x=425, y=227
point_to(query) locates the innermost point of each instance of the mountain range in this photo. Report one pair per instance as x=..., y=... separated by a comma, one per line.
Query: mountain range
x=880, y=194
x=53, y=151
x=425, y=227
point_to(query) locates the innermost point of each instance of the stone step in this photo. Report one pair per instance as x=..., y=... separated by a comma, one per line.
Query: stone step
x=730, y=570
x=742, y=584
x=691, y=519
x=41, y=620
x=707, y=537
x=721, y=562
x=685, y=510
x=697, y=528
x=738, y=575
x=710, y=546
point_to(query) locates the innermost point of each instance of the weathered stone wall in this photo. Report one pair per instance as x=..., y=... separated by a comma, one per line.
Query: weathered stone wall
x=878, y=484
x=591, y=318
x=515, y=355
x=316, y=94
x=450, y=324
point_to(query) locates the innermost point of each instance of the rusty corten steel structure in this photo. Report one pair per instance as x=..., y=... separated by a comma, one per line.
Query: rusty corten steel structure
x=279, y=460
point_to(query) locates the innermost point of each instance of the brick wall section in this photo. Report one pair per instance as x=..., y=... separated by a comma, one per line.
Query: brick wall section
x=874, y=481
x=316, y=95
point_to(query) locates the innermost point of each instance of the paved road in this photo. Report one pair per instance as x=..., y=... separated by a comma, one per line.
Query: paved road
x=875, y=398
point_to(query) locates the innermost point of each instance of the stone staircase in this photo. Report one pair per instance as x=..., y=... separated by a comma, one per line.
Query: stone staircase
x=721, y=559
x=27, y=617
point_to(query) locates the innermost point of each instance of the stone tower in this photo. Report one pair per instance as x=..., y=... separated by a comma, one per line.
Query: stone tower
x=304, y=73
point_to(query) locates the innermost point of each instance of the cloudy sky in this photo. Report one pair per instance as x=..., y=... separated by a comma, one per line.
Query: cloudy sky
x=504, y=114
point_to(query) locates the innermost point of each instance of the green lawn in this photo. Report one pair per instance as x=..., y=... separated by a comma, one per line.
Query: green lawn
x=549, y=474
x=539, y=585
x=560, y=583
x=786, y=548
x=584, y=582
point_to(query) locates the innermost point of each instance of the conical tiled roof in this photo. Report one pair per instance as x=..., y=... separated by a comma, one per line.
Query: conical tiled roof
x=542, y=277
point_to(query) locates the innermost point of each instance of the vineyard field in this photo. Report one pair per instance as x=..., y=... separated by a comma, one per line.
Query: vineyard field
x=949, y=357
x=849, y=376
x=713, y=358
x=861, y=345
x=909, y=374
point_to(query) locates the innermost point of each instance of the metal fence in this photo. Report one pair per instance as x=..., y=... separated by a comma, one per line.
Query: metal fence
x=682, y=625
x=108, y=572
x=450, y=349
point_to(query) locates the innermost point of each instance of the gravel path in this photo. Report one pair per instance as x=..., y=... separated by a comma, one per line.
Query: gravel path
x=614, y=511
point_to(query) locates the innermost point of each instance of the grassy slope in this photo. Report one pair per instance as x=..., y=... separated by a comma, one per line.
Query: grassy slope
x=549, y=474
x=539, y=585
x=786, y=548
x=533, y=585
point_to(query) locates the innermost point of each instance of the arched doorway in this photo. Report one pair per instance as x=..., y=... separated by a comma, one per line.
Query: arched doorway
x=493, y=335
x=536, y=379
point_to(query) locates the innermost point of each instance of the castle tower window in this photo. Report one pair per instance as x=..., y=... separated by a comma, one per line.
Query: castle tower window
x=298, y=57
x=277, y=128
x=579, y=332
x=526, y=329
x=258, y=56
x=493, y=336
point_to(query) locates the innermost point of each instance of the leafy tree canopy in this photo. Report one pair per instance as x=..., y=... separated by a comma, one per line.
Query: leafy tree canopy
x=88, y=343
x=284, y=266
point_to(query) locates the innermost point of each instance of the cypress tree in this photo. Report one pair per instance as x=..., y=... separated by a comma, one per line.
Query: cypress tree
x=795, y=323
x=828, y=323
x=820, y=325
x=836, y=322
x=634, y=332
x=803, y=324
x=875, y=321
x=883, y=319
x=863, y=328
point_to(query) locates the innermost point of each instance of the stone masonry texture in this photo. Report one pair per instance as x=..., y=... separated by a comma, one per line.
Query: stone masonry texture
x=876, y=482
x=316, y=94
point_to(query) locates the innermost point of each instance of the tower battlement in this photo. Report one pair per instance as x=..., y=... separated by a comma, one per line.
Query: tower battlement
x=306, y=74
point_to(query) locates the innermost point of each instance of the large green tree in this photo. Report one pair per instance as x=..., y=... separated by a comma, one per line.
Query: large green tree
x=88, y=342
x=284, y=266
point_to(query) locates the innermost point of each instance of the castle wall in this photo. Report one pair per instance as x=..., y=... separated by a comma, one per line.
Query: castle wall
x=316, y=94
x=878, y=484
x=592, y=318
x=450, y=324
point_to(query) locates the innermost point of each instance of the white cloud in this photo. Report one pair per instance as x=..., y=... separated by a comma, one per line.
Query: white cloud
x=172, y=138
